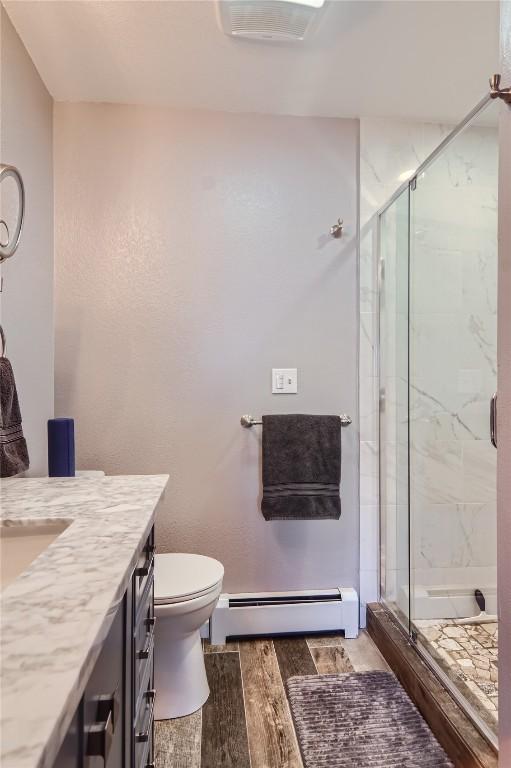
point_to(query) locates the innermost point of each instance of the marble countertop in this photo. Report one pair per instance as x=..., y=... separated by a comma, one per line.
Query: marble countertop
x=55, y=616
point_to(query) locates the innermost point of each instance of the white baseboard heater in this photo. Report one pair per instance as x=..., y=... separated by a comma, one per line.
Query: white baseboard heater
x=279, y=613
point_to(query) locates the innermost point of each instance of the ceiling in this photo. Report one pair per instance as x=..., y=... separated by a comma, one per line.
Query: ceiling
x=421, y=60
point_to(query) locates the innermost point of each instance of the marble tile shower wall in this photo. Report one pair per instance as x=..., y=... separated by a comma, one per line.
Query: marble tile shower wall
x=450, y=532
x=388, y=149
x=453, y=361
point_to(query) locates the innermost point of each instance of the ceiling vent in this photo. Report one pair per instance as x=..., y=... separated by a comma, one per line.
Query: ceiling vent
x=268, y=19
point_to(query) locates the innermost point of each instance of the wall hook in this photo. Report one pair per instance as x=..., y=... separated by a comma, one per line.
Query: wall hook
x=8, y=248
x=4, y=243
x=336, y=229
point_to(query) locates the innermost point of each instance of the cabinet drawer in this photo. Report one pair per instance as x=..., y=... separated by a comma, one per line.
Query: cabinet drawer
x=103, y=702
x=144, y=727
x=143, y=679
x=144, y=570
x=144, y=755
x=69, y=755
x=143, y=644
x=144, y=610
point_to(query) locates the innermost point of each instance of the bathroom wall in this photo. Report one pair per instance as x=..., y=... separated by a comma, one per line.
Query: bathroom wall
x=504, y=413
x=27, y=298
x=193, y=255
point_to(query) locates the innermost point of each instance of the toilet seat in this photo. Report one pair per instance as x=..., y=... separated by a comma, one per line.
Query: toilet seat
x=180, y=577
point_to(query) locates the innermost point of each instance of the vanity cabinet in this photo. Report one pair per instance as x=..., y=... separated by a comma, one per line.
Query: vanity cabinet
x=113, y=725
x=70, y=751
x=103, y=702
x=142, y=656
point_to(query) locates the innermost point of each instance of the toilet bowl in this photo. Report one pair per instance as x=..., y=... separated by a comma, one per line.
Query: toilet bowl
x=186, y=590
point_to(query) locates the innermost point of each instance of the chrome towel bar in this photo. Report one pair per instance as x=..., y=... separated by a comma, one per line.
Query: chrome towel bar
x=249, y=421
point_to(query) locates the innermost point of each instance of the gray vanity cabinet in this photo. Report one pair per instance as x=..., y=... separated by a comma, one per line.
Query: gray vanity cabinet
x=104, y=701
x=71, y=750
x=142, y=654
x=97, y=736
x=113, y=725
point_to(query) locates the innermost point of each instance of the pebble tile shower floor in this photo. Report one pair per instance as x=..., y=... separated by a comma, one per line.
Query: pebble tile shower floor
x=468, y=653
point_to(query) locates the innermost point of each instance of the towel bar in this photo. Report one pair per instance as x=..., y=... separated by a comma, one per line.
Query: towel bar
x=249, y=421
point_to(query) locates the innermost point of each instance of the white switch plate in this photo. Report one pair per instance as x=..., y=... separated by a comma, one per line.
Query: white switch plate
x=284, y=381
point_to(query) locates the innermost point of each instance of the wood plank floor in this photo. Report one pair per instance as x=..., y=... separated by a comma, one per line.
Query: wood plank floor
x=246, y=721
x=224, y=727
x=271, y=733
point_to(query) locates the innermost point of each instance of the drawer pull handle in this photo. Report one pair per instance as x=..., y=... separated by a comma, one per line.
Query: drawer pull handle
x=99, y=739
x=143, y=736
x=99, y=735
x=144, y=569
x=145, y=652
x=109, y=705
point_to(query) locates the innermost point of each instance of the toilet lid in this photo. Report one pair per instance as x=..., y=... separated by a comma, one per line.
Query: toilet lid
x=179, y=576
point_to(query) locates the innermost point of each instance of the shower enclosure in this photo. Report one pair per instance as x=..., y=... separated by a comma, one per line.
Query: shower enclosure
x=438, y=365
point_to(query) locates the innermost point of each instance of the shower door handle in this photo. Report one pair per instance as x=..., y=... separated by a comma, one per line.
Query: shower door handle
x=493, y=420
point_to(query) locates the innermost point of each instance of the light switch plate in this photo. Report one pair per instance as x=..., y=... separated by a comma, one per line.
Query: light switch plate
x=284, y=381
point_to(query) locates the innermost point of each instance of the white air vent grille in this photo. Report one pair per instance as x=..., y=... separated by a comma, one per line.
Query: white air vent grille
x=268, y=19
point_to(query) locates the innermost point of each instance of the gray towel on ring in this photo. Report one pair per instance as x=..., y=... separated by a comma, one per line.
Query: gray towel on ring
x=13, y=446
x=301, y=467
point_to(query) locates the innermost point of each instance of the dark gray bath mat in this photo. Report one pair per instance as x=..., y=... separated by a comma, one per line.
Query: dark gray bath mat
x=360, y=720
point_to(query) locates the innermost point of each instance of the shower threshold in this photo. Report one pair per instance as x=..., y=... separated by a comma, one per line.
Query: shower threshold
x=466, y=738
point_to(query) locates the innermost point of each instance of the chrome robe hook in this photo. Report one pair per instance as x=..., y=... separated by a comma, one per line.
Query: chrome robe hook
x=336, y=229
x=9, y=245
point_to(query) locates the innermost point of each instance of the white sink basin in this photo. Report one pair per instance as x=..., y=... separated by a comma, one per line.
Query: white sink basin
x=21, y=543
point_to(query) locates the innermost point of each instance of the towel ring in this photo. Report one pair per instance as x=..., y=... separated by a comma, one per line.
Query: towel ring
x=8, y=249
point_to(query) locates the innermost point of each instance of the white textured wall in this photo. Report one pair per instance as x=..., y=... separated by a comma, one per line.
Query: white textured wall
x=27, y=297
x=504, y=415
x=192, y=256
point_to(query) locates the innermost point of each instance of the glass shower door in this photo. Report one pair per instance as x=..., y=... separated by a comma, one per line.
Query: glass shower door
x=452, y=377
x=394, y=264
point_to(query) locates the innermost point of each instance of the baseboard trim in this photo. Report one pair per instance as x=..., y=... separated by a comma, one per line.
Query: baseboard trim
x=464, y=744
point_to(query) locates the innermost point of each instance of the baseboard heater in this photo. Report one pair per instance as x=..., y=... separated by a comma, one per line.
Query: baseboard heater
x=280, y=613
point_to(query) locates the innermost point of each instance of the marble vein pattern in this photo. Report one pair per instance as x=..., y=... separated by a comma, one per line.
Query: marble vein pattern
x=453, y=279
x=388, y=149
x=450, y=315
x=56, y=614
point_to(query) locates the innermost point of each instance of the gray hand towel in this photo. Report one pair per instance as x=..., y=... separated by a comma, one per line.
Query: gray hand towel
x=13, y=447
x=301, y=467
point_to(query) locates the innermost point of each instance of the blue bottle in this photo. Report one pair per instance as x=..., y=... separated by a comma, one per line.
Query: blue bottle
x=61, y=447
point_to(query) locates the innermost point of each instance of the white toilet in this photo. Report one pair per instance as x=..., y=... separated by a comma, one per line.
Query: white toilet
x=186, y=590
